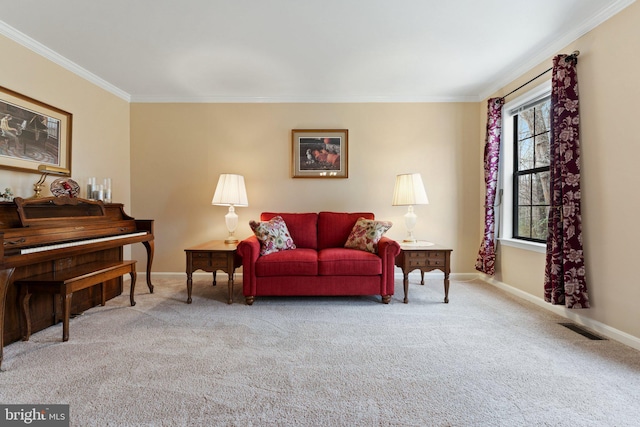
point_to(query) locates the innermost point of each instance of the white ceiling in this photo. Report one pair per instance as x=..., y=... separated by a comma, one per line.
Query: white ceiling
x=301, y=50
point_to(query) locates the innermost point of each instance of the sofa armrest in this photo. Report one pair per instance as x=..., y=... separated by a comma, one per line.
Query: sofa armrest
x=388, y=247
x=249, y=250
x=388, y=250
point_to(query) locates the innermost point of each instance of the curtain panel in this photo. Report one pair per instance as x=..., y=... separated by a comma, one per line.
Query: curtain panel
x=564, y=281
x=487, y=255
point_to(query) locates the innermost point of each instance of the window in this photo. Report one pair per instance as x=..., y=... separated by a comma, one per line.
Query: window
x=531, y=186
x=524, y=170
x=52, y=128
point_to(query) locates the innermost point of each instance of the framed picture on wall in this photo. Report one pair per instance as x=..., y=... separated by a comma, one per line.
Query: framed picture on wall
x=320, y=153
x=32, y=133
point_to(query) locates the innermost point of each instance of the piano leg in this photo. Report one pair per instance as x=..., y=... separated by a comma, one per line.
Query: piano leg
x=150, y=247
x=5, y=278
x=25, y=319
x=66, y=314
x=133, y=275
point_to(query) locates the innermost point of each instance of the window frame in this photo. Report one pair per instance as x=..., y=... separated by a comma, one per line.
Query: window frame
x=506, y=181
x=532, y=171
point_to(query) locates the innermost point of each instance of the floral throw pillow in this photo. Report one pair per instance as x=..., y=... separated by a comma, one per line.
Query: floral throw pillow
x=273, y=235
x=366, y=234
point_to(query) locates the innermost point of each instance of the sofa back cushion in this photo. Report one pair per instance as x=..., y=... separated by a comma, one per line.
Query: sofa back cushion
x=303, y=227
x=334, y=227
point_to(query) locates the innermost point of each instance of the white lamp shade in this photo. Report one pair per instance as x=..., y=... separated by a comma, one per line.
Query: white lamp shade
x=409, y=190
x=230, y=191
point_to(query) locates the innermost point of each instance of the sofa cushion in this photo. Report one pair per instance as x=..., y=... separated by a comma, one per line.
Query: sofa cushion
x=296, y=262
x=348, y=262
x=273, y=235
x=334, y=227
x=366, y=234
x=303, y=227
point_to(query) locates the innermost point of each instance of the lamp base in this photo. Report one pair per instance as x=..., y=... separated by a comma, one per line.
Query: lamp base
x=231, y=219
x=410, y=224
x=417, y=244
x=410, y=219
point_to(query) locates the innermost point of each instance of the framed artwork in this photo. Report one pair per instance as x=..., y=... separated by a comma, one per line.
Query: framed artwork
x=33, y=133
x=320, y=153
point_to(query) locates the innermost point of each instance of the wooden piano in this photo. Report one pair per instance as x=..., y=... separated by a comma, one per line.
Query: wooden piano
x=51, y=234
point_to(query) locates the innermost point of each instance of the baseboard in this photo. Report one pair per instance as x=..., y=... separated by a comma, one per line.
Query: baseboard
x=573, y=315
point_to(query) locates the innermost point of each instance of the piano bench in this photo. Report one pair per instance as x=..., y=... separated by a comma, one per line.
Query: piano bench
x=65, y=282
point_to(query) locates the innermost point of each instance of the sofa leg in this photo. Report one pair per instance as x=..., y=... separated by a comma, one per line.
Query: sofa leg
x=386, y=299
x=249, y=300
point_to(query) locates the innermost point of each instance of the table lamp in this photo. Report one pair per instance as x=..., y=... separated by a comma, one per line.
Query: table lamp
x=409, y=191
x=231, y=192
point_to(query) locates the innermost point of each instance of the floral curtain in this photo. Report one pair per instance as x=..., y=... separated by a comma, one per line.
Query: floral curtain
x=487, y=254
x=564, y=281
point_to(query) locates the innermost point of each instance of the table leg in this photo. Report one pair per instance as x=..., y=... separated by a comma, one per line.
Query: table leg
x=230, y=271
x=446, y=288
x=405, y=282
x=189, y=286
x=189, y=275
x=214, y=278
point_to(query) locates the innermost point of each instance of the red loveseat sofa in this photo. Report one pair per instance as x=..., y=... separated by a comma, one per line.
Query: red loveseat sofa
x=320, y=264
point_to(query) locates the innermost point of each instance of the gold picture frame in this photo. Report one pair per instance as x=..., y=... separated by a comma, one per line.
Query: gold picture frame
x=320, y=153
x=33, y=133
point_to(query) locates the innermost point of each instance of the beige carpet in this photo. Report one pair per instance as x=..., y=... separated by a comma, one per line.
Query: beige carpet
x=484, y=359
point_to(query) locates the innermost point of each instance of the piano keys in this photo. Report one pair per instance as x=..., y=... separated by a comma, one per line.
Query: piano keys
x=79, y=243
x=49, y=234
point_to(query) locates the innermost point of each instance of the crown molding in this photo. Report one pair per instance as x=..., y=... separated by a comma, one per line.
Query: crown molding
x=26, y=41
x=554, y=47
x=314, y=99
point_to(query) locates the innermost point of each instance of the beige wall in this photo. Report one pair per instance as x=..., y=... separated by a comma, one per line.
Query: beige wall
x=608, y=73
x=100, y=135
x=178, y=151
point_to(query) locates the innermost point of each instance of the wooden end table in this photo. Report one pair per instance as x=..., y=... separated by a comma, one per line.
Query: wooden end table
x=212, y=256
x=425, y=257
